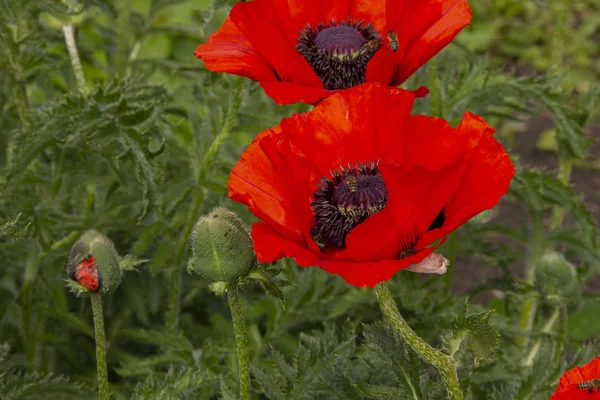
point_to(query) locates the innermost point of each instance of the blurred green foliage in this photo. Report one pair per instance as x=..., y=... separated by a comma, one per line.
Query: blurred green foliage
x=139, y=157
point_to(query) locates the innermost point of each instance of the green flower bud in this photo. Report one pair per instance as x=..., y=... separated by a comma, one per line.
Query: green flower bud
x=555, y=276
x=221, y=247
x=94, y=263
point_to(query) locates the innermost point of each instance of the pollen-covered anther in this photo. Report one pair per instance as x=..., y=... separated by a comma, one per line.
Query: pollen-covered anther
x=345, y=200
x=339, y=52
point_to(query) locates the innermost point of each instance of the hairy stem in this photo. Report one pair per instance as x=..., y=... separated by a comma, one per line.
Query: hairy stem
x=121, y=58
x=75, y=60
x=100, y=346
x=564, y=175
x=558, y=50
x=22, y=102
x=29, y=335
x=538, y=343
x=445, y=364
x=530, y=304
x=241, y=341
x=205, y=167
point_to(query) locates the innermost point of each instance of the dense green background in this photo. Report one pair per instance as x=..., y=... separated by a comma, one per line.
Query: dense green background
x=134, y=159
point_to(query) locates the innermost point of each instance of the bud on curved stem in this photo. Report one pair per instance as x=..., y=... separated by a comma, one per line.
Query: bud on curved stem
x=94, y=267
x=221, y=247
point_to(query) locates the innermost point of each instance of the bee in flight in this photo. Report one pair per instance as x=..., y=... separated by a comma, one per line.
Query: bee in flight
x=593, y=385
x=393, y=37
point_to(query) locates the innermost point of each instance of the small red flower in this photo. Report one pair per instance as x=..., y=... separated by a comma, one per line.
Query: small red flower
x=580, y=383
x=361, y=188
x=305, y=50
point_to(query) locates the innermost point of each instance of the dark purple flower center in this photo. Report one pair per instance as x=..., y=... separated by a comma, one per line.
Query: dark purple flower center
x=339, y=52
x=345, y=200
x=342, y=39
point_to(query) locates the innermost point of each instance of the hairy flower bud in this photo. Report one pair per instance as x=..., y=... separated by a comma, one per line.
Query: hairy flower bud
x=94, y=263
x=221, y=247
x=555, y=276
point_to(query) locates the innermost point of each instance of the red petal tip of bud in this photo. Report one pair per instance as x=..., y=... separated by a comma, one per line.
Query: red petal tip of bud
x=86, y=274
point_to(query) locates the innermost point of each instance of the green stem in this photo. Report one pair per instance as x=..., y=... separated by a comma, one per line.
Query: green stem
x=538, y=343
x=564, y=175
x=530, y=304
x=209, y=157
x=241, y=341
x=558, y=48
x=100, y=346
x=436, y=101
x=565, y=163
x=29, y=336
x=22, y=102
x=445, y=364
x=123, y=26
x=75, y=60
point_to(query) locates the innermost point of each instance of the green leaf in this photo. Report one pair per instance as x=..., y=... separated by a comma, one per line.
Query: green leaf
x=541, y=190
x=584, y=324
x=476, y=332
x=180, y=383
x=394, y=361
x=35, y=386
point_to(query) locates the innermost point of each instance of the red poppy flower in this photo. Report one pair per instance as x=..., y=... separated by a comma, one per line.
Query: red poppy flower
x=580, y=383
x=361, y=188
x=305, y=50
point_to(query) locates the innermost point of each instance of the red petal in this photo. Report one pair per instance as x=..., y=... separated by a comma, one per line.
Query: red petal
x=261, y=181
x=567, y=387
x=356, y=125
x=313, y=12
x=423, y=28
x=416, y=195
x=486, y=179
x=573, y=393
x=263, y=22
x=421, y=91
x=86, y=274
x=270, y=246
x=290, y=92
x=370, y=12
x=228, y=50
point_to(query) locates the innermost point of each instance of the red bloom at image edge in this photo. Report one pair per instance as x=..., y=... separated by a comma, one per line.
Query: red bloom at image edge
x=361, y=188
x=307, y=50
x=580, y=383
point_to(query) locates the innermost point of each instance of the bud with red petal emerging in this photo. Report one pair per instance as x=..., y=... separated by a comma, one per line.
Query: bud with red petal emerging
x=94, y=263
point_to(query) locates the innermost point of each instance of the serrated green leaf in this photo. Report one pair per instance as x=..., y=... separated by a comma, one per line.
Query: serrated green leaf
x=475, y=331
x=177, y=383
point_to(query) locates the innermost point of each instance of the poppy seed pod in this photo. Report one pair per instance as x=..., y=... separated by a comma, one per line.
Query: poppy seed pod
x=554, y=275
x=221, y=247
x=94, y=263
